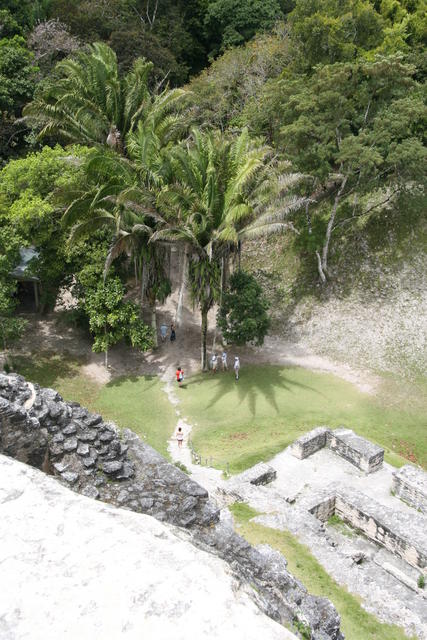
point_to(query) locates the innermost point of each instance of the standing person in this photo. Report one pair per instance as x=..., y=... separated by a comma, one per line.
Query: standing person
x=179, y=376
x=214, y=362
x=180, y=437
x=236, y=367
x=163, y=332
x=224, y=361
x=173, y=334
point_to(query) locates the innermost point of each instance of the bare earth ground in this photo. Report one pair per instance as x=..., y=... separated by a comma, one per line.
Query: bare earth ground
x=50, y=334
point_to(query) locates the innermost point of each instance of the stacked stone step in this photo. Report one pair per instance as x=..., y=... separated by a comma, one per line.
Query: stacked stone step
x=410, y=484
x=362, y=453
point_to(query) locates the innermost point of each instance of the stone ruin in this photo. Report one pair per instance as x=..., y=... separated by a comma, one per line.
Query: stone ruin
x=410, y=484
x=364, y=455
x=376, y=545
x=94, y=458
x=403, y=536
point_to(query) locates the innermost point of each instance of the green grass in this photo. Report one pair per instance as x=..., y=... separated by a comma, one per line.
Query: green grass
x=134, y=402
x=269, y=407
x=356, y=623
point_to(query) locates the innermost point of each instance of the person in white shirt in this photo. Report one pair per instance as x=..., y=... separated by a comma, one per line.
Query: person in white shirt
x=224, y=361
x=236, y=367
x=214, y=362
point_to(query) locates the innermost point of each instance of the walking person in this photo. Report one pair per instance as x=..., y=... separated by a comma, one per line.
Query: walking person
x=236, y=367
x=163, y=332
x=180, y=437
x=224, y=361
x=214, y=363
x=173, y=334
x=179, y=376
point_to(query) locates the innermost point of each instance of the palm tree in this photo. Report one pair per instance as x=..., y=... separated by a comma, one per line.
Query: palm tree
x=205, y=206
x=91, y=103
x=115, y=201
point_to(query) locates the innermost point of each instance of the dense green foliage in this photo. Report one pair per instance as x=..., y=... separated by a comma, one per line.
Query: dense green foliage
x=243, y=316
x=111, y=319
x=312, y=120
x=28, y=208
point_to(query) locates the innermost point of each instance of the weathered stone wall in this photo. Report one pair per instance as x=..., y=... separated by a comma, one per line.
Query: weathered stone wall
x=324, y=509
x=410, y=484
x=94, y=458
x=260, y=473
x=363, y=454
x=403, y=536
x=310, y=442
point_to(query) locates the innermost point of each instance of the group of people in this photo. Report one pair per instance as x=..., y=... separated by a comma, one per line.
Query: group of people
x=224, y=364
x=164, y=332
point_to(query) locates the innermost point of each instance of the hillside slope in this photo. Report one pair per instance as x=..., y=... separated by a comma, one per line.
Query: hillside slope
x=371, y=314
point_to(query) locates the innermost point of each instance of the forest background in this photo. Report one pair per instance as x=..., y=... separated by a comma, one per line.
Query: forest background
x=336, y=88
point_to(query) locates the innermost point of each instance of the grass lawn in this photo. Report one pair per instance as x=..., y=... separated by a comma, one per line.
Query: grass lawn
x=134, y=402
x=356, y=623
x=241, y=423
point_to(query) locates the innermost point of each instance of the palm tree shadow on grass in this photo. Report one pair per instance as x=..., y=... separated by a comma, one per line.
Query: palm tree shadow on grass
x=253, y=382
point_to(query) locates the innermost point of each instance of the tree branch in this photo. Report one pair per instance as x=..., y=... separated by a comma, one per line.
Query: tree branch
x=364, y=213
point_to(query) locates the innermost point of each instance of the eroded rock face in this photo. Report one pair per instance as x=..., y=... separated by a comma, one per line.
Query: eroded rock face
x=75, y=568
x=93, y=458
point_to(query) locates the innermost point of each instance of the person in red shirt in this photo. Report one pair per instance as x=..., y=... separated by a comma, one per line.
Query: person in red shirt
x=179, y=376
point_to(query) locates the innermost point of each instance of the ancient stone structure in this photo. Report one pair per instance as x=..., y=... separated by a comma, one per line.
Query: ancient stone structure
x=79, y=569
x=94, y=458
x=310, y=442
x=260, y=473
x=403, y=536
x=410, y=484
x=364, y=455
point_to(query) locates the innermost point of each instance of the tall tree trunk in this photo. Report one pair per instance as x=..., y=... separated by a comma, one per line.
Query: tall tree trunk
x=323, y=263
x=204, y=337
x=143, y=280
x=136, y=271
x=184, y=270
x=221, y=291
x=154, y=324
x=106, y=350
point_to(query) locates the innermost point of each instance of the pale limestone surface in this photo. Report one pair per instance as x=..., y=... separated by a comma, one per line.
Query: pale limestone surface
x=75, y=568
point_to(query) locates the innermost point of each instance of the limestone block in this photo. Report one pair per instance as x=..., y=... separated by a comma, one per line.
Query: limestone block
x=403, y=536
x=309, y=443
x=365, y=455
x=410, y=484
x=74, y=567
x=260, y=473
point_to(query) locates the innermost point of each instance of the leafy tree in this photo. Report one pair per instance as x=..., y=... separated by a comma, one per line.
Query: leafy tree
x=27, y=206
x=9, y=27
x=11, y=327
x=111, y=319
x=27, y=12
x=92, y=103
x=206, y=208
x=233, y=22
x=17, y=82
x=120, y=197
x=357, y=129
x=243, y=316
x=218, y=96
x=328, y=31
